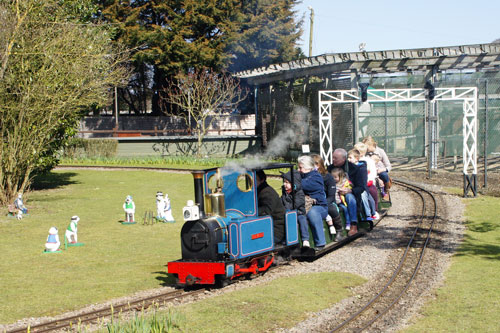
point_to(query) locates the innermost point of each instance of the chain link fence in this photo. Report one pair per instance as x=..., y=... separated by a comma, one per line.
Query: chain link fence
x=398, y=127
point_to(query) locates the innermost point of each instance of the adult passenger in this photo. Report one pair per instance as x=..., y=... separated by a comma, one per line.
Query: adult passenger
x=333, y=219
x=358, y=176
x=269, y=203
x=383, y=172
x=313, y=186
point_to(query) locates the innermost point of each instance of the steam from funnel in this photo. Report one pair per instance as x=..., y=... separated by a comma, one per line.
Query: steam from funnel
x=296, y=130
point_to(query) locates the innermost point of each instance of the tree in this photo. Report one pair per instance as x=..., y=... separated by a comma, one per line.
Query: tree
x=267, y=33
x=202, y=96
x=54, y=66
x=172, y=36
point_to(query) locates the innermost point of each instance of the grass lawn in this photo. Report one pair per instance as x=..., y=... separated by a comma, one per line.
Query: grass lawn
x=116, y=260
x=470, y=299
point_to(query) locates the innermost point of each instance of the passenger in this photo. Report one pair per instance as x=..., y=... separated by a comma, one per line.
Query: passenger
x=358, y=179
x=372, y=175
x=366, y=199
x=313, y=186
x=342, y=184
x=383, y=172
x=379, y=165
x=333, y=218
x=298, y=194
x=269, y=203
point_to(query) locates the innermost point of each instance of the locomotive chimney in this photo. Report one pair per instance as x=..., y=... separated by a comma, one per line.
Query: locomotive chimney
x=198, y=190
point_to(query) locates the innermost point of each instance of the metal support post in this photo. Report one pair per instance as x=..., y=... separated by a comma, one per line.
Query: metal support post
x=485, y=154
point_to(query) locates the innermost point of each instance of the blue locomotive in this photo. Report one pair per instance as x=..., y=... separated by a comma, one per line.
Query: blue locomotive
x=223, y=236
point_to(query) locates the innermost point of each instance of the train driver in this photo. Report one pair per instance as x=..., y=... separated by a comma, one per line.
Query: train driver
x=269, y=203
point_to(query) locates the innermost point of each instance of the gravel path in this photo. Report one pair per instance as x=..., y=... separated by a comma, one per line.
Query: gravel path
x=371, y=257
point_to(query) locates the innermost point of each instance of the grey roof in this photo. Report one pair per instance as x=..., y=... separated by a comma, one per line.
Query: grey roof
x=449, y=57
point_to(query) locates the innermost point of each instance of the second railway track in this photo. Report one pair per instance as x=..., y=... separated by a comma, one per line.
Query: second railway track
x=405, y=271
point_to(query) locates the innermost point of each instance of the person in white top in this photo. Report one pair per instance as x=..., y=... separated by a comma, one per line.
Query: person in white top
x=372, y=173
x=383, y=172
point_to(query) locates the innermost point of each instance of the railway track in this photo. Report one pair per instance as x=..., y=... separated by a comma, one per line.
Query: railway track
x=108, y=312
x=138, y=305
x=404, y=272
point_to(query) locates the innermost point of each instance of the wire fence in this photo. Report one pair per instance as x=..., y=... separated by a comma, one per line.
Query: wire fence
x=398, y=127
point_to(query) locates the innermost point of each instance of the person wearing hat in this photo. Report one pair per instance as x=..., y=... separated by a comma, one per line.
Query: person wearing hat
x=71, y=232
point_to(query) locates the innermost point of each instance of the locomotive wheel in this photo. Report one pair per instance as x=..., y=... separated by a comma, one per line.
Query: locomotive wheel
x=222, y=281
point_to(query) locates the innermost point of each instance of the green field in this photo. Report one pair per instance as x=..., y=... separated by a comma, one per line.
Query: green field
x=470, y=299
x=116, y=260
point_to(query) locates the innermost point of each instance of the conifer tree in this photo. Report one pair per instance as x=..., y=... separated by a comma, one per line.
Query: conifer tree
x=268, y=33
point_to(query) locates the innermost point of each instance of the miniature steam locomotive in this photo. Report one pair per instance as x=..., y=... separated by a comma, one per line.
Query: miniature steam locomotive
x=223, y=236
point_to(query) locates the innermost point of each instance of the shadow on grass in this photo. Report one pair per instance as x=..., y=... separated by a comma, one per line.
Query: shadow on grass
x=474, y=248
x=167, y=280
x=50, y=180
x=482, y=227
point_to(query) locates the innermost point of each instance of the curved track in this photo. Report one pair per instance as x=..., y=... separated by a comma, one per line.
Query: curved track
x=109, y=311
x=405, y=272
x=113, y=310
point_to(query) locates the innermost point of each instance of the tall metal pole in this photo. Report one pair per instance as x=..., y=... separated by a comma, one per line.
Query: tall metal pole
x=116, y=109
x=485, y=134
x=311, y=31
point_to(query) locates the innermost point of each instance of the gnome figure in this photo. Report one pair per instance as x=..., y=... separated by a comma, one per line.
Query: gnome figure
x=53, y=242
x=129, y=208
x=71, y=232
x=168, y=210
x=160, y=206
x=163, y=208
x=19, y=205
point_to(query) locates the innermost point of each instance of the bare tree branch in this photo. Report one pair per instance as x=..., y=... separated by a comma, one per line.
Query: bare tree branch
x=202, y=96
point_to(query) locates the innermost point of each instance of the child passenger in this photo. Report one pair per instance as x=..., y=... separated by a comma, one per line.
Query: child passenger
x=368, y=204
x=372, y=174
x=300, y=202
x=342, y=183
x=379, y=165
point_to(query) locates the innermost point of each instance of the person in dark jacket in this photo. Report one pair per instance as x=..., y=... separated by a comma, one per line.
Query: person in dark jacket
x=291, y=195
x=333, y=219
x=269, y=203
x=358, y=176
x=313, y=186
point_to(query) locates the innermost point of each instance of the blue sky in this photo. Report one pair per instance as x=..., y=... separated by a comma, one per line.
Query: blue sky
x=340, y=26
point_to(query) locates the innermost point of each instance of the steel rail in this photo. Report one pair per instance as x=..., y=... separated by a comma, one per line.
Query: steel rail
x=108, y=311
x=417, y=189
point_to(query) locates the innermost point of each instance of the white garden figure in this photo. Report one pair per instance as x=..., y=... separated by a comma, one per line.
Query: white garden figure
x=52, y=244
x=163, y=208
x=129, y=208
x=19, y=205
x=71, y=232
x=168, y=210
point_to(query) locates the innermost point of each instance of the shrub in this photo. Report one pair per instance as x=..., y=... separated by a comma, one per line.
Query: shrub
x=90, y=148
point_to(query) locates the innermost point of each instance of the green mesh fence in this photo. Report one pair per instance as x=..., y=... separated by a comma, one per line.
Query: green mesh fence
x=398, y=127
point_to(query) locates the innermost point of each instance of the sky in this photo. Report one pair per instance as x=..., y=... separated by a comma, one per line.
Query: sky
x=341, y=26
